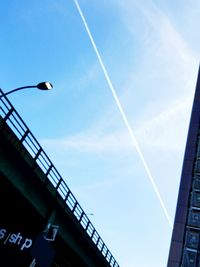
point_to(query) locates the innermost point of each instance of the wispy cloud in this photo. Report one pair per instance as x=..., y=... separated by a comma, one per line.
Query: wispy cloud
x=157, y=132
x=170, y=67
x=161, y=131
x=92, y=142
x=167, y=50
x=157, y=32
x=164, y=49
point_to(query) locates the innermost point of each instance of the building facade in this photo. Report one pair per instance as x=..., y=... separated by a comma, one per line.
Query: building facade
x=185, y=242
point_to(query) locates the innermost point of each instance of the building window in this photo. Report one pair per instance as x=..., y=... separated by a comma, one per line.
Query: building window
x=196, y=183
x=194, y=218
x=192, y=239
x=196, y=199
x=189, y=258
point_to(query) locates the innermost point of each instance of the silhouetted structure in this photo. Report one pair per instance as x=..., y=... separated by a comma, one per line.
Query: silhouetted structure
x=41, y=222
x=185, y=250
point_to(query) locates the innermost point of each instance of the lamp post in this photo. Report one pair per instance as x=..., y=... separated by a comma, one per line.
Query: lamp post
x=41, y=86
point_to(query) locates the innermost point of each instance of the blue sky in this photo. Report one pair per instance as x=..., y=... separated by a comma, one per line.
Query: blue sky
x=150, y=49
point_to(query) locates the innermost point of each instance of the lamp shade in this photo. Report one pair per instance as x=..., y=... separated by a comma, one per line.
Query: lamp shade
x=45, y=86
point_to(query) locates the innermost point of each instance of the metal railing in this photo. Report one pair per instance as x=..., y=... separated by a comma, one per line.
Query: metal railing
x=18, y=126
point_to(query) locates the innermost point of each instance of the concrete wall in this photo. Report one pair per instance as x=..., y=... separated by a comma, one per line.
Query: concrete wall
x=29, y=202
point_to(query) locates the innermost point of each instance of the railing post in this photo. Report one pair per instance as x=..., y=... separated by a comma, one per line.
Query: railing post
x=88, y=223
x=67, y=196
x=106, y=252
x=38, y=153
x=81, y=217
x=58, y=184
x=111, y=257
x=92, y=233
x=98, y=241
x=24, y=135
x=49, y=169
x=75, y=205
x=9, y=113
x=102, y=247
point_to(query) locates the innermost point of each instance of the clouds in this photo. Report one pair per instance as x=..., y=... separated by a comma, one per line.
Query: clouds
x=164, y=46
x=93, y=142
x=167, y=51
x=153, y=64
x=164, y=81
x=165, y=130
x=156, y=91
x=159, y=132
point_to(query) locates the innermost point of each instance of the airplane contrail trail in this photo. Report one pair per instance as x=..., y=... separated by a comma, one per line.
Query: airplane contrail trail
x=123, y=115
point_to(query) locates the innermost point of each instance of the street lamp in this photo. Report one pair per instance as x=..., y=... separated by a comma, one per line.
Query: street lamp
x=41, y=86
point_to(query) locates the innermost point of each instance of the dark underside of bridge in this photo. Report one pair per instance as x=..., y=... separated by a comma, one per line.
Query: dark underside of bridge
x=28, y=202
x=19, y=216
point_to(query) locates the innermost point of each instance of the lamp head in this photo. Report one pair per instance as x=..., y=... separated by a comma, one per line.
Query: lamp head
x=44, y=86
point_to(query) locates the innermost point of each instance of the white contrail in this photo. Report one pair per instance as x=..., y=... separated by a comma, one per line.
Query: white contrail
x=123, y=114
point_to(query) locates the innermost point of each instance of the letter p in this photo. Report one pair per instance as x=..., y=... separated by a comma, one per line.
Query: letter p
x=27, y=243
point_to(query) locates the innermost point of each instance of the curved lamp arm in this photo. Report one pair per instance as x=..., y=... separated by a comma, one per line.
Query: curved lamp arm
x=41, y=86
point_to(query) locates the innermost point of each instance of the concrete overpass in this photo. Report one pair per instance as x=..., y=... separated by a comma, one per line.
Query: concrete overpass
x=34, y=195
